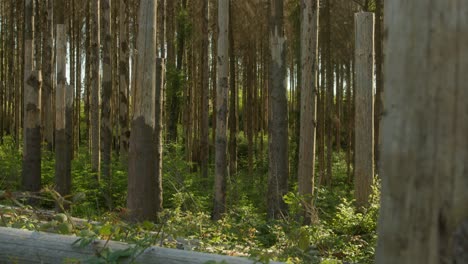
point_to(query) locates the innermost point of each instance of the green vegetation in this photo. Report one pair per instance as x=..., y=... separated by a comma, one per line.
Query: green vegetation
x=341, y=234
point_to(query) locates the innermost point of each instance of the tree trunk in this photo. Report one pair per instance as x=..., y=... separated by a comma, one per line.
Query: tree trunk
x=18, y=73
x=124, y=80
x=142, y=191
x=158, y=134
x=205, y=95
x=172, y=99
x=32, y=108
x=70, y=92
x=349, y=120
x=48, y=112
x=88, y=73
x=77, y=118
x=95, y=86
x=309, y=58
x=2, y=68
x=62, y=155
x=424, y=213
x=339, y=100
x=22, y=246
x=106, y=96
x=378, y=78
x=364, y=113
x=278, y=121
x=222, y=109
x=233, y=100
x=329, y=97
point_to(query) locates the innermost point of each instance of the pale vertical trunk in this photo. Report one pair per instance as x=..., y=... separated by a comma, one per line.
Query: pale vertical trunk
x=106, y=97
x=124, y=79
x=338, y=105
x=32, y=108
x=278, y=120
x=142, y=194
x=77, y=117
x=364, y=113
x=88, y=85
x=309, y=58
x=95, y=87
x=2, y=68
x=424, y=213
x=62, y=170
x=18, y=76
x=222, y=109
x=158, y=130
x=11, y=71
x=70, y=93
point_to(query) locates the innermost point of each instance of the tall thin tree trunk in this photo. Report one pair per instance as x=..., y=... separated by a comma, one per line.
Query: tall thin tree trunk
x=95, y=87
x=2, y=68
x=124, y=80
x=171, y=96
x=48, y=77
x=364, y=113
x=349, y=122
x=309, y=62
x=233, y=116
x=88, y=78
x=158, y=131
x=338, y=104
x=32, y=115
x=142, y=194
x=329, y=97
x=222, y=109
x=106, y=96
x=278, y=121
x=70, y=92
x=378, y=78
x=205, y=95
x=78, y=81
x=62, y=155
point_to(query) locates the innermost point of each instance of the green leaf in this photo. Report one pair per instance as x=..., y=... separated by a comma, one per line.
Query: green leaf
x=106, y=230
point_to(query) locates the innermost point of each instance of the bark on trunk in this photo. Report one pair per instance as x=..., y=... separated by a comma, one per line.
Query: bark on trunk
x=233, y=101
x=95, y=86
x=424, y=213
x=142, y=194
x=378, y=78
x=31, y=177
x=205, y=95
x=62, y=169
x=22, y=246
x=309, y=59
x=124, y=80
x=364, y=113
x=221, y=110
x=48, y=112
x=106, y=96
x=278, y=121
x=329, y=97
x=158, y=131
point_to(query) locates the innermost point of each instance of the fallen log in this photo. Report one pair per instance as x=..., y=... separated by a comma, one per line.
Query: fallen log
x=22, y=246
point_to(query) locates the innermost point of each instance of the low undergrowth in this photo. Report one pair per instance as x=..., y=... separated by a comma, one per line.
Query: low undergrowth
x=342, y=234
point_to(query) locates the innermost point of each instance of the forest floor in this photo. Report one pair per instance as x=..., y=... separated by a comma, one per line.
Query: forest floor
x=340, y=235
